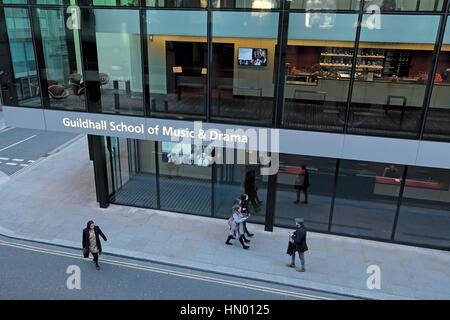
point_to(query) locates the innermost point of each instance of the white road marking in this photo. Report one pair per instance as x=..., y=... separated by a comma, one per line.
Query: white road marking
x=6, y=159
x=18, y=160
x=15, y=144
x=31, y=161
x=11, y=163
x=24, y=165
x=170, y=272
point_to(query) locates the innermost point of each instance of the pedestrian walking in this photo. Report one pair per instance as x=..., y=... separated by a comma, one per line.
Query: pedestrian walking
x=299, y=239
x=91, y=241
x=302, y=184
x=237, y=228
x=251, y=189
x=245, y=212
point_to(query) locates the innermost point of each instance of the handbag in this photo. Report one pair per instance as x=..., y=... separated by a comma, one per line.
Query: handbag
x=86, y=252
x=230, y=221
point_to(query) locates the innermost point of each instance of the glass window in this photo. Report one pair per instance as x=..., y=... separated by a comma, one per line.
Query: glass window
x=317, y=70
x=129, y=3
x=177, y=3
x=62, y=56
x=437, y=126
x=177, y=62
x=66, y=2
x=243, y=78
x=119, y=61
x=185, y=185
x=133, y=171
x=235, y=177
x=404, y=5
x=424, y=214
x=366, y=198
x=394, y=60
x=13, y=1
x=325, y=4
x=304, y=190
x=246, y=4
x=20, y=85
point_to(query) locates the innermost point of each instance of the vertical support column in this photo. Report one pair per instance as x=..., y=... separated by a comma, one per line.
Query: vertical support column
x=158, y=193
x=399, y=202
x=96, y=143
x=280, y=62
x=8, y=91
x=435, y=62
x=39, y=55
x=271, y=202
x=90, y=61
x=208, y=65
x=336, y=175
x=144, y=59
x=354, y=62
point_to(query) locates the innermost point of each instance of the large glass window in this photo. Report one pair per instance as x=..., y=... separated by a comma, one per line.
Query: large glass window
x=243, y=80
x=394, y=60
x=133, y=171
x=366, y=198
x=404, y=5
x=185, y=185
x=246, y=4
x=425, y=211
x=177, y=3
x=304, y=190
x=325, y=4
x=21, y=85
x=235, y=177
x=317, y=71
x=119, y=61
x=177, y=53
x=62, y=57
x=437, y=125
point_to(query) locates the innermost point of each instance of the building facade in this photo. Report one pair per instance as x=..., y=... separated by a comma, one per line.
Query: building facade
x=357, y=91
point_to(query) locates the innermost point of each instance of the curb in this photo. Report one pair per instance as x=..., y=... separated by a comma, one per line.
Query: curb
x=224, y=271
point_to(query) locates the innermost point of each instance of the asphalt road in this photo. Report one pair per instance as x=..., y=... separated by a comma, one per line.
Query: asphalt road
x=19, y=148
x=30, y=270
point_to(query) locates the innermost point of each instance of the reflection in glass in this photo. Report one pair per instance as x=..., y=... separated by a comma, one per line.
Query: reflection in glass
x=366, y=198
x=177, y=62
x=394, y=60
x=184, y=186
x=25, y=84
x=437, y=126
x=62, y=58
x=325, y=4
x=177, y=3
x=424, y=214
x=242, y=80
x=317, y=71
x=119, y=61
x=246, y=4
x=133, y=171
x=402, y=5
x=235, y=177
x=304, y=190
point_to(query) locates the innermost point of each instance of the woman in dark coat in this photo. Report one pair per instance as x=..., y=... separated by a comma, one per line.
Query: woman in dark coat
x=91, y=241
x=245, y=212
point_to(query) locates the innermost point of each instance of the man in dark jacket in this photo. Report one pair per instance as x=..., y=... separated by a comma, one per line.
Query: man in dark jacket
x=299, y=238
x=302, y=183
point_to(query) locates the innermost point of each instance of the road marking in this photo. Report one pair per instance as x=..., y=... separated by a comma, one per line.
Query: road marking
x=31, y=161
x=11, y=163
x=6, y=159
x=23, y=165
x=18, y=160
x=170, y=272
x=15, y=144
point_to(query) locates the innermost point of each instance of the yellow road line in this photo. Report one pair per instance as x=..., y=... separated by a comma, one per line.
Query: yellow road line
x=170, y=272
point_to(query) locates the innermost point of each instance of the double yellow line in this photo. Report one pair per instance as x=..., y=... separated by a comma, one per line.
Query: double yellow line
x=170, y=272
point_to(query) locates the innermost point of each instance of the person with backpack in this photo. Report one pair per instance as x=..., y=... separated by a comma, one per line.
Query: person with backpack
x=245, y=212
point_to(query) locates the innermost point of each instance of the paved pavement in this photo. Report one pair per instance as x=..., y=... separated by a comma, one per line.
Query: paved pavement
x=53, y=200
x=121, y=278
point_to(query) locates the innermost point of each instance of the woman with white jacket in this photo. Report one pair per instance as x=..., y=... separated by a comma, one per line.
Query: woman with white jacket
x=237, y=227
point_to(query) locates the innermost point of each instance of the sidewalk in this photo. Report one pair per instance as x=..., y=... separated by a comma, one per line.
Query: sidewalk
x=2, y=120
x=54, y=198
